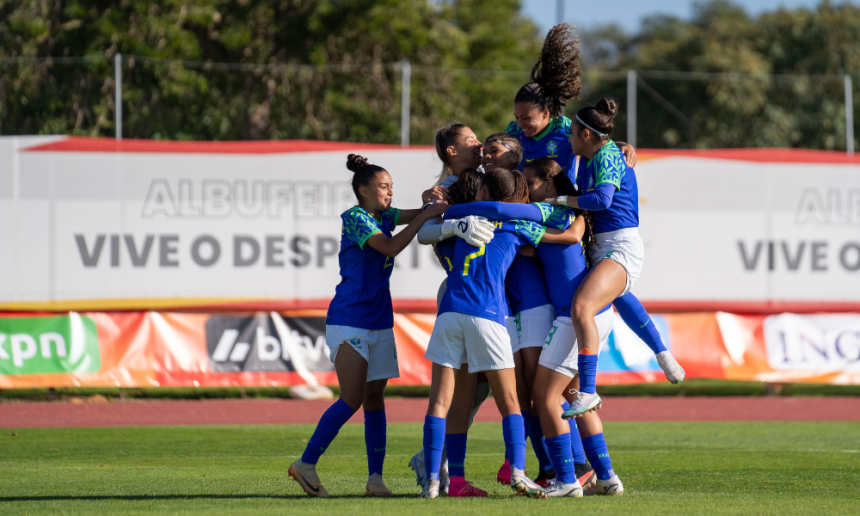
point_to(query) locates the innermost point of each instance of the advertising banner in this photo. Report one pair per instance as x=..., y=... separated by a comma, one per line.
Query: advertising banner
x=95, y=224
x=151, y=349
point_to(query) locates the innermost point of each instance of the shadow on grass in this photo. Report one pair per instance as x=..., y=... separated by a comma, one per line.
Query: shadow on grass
x=182, y=497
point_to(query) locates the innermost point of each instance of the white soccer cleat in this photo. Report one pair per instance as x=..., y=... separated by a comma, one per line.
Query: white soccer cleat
x=611, y=487
x=522, y=485
x=416, y=463
x=376, y=487
x=306, y=476
x=671, y=368
x=584, y=402
x=558, y=489
x=431, y=489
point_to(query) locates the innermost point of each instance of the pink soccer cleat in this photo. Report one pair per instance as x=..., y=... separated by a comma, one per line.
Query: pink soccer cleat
x=460, y=488
x=504, y=475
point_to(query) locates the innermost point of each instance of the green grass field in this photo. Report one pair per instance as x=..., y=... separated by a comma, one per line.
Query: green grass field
x=667, y=468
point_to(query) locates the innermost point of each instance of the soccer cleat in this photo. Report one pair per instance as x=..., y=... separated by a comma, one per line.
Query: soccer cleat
x=416, y=463
x=431, y=489
x=671, y=368
x=444, y=479
x=376, y=487
x=562, y=490
x=545, y=477
x=584, y=402
x=522, y=485
x=504, y=474
x=306, y=476
x=460, y=488
x=611, y=487
x=585, y=474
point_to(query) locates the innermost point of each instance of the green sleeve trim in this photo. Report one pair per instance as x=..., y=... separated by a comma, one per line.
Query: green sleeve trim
x=363, y=239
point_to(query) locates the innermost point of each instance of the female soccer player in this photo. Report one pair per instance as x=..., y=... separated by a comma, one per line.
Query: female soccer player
x=565, y=268
x=359, y=326
x=470, y=327
x=544, y=132
x=610, y=194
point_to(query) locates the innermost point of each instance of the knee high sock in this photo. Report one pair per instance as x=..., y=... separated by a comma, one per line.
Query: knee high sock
x=334, y=417
x=374, y=440
x=598, y=454
x=575, y=439
x=538, y=443
x=456, y=445
x=434, y=440
x=515, y=440
x=637, y=319
x=562, y=459
x=587, y=372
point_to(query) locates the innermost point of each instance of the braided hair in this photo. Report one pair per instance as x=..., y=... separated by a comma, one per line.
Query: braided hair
x=363, y=172
x=555, y=77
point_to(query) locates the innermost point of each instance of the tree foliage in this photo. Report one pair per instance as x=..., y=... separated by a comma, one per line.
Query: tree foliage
x=318, y=69
x=754, y=110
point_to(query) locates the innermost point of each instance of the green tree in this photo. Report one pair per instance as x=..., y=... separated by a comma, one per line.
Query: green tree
x=759, y=110
x=318, y=69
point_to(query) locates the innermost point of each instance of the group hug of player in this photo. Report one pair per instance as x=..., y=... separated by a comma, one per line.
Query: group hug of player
x=537, y=229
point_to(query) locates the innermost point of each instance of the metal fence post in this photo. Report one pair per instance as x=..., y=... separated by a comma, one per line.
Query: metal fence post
x=849, y=116
x=405, y=94
x=631, y=107
x=117, y=64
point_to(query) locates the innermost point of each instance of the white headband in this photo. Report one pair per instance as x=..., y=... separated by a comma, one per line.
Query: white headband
x=595, y=131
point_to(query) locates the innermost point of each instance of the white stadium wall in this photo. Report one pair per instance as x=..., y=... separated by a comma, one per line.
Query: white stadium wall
x=92, y=224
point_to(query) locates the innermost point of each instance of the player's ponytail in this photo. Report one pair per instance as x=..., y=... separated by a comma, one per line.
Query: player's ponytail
x=505, y=185
x=546, y=169
x=363, y=172
x=599, y=118
x=555, y=77
x=446, y=137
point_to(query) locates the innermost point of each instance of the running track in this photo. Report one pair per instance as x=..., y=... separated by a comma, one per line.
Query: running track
x=278, y=411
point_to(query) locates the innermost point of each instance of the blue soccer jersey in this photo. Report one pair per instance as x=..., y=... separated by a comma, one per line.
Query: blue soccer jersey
x=525, y=284
x=363, y=299
x=609, y=166
x=552, y=143
x=476, y=286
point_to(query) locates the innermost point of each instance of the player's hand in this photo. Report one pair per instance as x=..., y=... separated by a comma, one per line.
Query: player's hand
x=438, y=192
x=476, y=231
x=629, y=154
x=434, y=210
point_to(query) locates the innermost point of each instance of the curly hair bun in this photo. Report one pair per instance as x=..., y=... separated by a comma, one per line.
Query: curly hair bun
x=607, y=106
x=354, y=162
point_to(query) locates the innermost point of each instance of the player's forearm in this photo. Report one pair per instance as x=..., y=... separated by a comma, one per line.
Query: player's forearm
x=430, y=232
x=496, y=211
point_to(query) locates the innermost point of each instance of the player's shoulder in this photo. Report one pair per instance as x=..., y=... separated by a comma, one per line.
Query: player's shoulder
x=560, y=125
x=609, y=153
x=514, y=130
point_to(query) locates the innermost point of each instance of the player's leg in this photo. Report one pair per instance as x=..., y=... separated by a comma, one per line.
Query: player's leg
x=441, y=395
x=548, y=388
x=512, y=325
x=603, y=284
x=375, y=437
x=503, y=384
x=637, y=319
x=584, y=472
x=351, y=369
x=457, y=427
x=529, y=357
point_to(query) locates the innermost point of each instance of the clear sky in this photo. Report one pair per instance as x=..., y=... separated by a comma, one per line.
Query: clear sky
x=629, y=13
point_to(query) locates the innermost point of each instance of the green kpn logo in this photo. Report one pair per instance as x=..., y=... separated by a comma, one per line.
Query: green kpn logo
x=38, y=345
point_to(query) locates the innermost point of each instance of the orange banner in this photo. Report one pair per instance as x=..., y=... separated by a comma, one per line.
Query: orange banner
x=151, y=349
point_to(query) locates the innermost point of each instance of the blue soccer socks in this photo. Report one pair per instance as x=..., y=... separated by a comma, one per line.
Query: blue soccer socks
x=374, y=439
x=575, y=439
x=598, y=455
x=587, y=373
x=456, y=445
x=330, y=423
x=637, y=319
x=434, y=441
x=536, y=435
x=515, y=440
x=562, y=458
